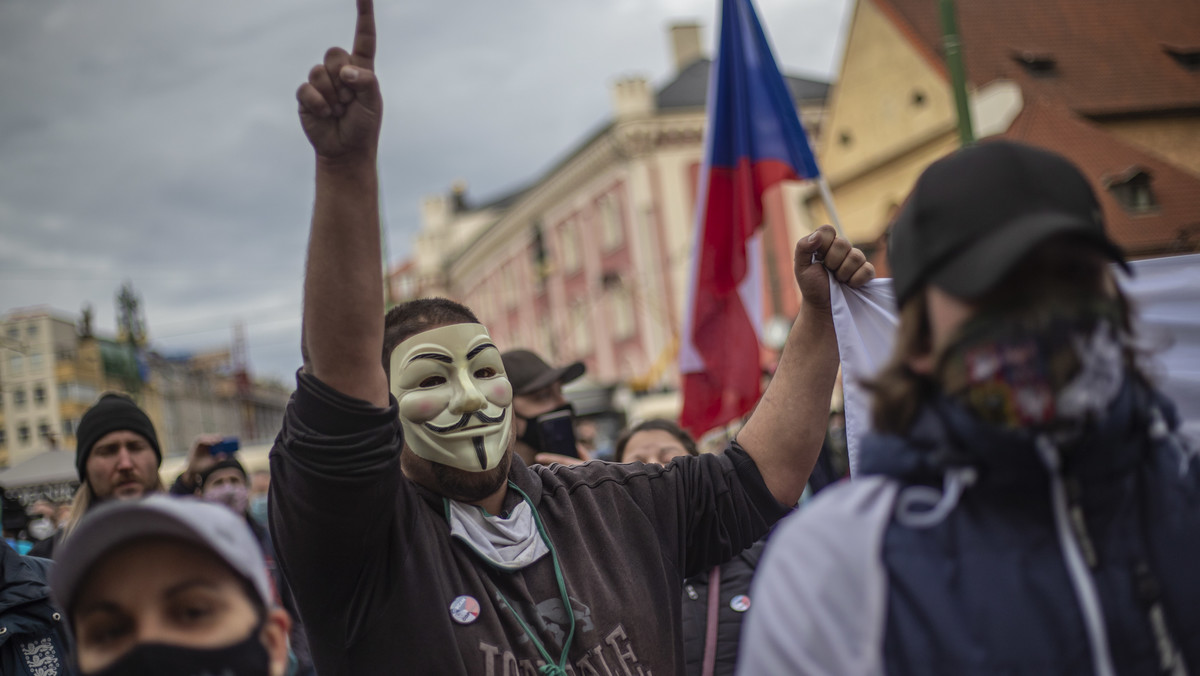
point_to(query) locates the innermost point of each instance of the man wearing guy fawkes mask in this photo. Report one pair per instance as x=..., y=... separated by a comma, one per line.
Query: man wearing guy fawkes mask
x=1025, y=504
x=543, y=419
x=451, y=555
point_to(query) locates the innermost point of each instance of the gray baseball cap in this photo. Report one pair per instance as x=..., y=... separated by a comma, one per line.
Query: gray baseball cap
x=210, y=526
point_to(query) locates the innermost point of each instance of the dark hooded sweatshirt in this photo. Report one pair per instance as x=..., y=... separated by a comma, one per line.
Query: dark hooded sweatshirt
x=375, y=571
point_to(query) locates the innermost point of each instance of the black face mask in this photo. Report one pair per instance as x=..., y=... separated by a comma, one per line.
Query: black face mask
x=552, y=432
x=245, y=658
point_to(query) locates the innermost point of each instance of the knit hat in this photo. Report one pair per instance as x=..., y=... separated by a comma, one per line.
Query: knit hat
x=113, y=413
x=227, y=463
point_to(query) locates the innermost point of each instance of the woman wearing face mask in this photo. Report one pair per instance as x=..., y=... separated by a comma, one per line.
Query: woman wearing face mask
x=169, y=586
x=1025, y=504
x=225, y=482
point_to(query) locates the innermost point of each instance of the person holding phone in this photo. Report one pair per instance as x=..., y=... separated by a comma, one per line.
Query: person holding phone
x=542, y=418
x=455, y=556
x=207, y=451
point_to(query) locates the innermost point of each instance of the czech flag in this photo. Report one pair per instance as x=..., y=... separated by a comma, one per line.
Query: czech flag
x=753, y=141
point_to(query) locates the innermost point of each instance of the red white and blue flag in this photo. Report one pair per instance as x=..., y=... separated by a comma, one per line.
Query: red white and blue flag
x=754, y=141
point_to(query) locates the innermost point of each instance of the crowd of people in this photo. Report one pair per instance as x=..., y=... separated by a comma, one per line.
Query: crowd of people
x=1024, y=504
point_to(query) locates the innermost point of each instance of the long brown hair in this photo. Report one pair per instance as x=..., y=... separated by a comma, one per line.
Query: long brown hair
x=85, y=500
x=898, y=392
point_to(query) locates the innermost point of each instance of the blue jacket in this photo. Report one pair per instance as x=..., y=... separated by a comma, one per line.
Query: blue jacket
x=965, y=550
x=33, y=635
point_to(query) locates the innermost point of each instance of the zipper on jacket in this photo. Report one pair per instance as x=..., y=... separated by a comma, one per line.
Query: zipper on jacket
x=1078, y=523
x=1071, y=540
x=1170, y=661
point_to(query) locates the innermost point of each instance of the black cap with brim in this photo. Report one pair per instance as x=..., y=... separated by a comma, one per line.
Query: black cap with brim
x=976, y=213
x=562, y=375
x=529, y=373
x=981, y=266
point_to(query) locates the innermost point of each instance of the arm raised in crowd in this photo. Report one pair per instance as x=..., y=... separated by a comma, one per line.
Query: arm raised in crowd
x=786, y=430
x=341, y=110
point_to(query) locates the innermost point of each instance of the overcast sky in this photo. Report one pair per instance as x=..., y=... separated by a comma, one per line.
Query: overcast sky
x=157, y=142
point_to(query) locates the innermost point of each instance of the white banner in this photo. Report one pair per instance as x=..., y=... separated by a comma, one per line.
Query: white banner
x=1166, y=295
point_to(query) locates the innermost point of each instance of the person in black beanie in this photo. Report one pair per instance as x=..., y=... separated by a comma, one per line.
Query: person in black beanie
x=117, y=456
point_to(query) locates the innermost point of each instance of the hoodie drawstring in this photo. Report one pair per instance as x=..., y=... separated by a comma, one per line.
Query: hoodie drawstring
x=936, y=504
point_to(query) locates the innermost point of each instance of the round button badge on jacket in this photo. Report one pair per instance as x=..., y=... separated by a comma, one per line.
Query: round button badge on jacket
x=464, y=609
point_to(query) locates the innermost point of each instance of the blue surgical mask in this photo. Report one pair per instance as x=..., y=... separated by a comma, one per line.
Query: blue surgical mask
x=258, y=509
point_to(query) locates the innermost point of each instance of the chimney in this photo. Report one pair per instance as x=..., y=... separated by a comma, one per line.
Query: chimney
x=632, y=97
x=685, y=44
x=458, y=195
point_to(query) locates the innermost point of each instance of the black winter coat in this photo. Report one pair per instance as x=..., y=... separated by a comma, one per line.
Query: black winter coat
x=735, y=577
x=33, y=635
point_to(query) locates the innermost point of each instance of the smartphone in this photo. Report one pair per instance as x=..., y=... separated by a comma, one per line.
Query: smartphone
x=226, y=446
x=557, y=432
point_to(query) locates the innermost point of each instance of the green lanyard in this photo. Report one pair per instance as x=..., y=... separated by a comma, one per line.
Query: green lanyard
x=551, y=668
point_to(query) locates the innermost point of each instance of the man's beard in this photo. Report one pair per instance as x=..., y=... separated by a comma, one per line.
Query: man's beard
x=464, y=486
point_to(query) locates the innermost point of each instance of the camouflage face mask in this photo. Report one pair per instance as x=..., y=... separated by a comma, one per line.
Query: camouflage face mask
x=1052, y=367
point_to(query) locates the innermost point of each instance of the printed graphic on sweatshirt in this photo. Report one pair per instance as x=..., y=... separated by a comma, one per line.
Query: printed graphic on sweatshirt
x=613, y=656
x=40, y=658
x=553, y=622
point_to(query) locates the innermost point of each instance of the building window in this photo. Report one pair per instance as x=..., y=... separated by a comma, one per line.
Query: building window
x=31, y=330
x=548, y=341
x=16, y=363
x=1133, y=192
x=612, y=229
x=570, y=248
x=23, y=435
x=43, y=429
x=3, y=436
x=18, y=398
x=36, y=360
x=508, y=277
x=624, y=322
x=1038, y=64
x=14, y=333
x=1188, y=57
x=39, y=395
x=582, y=329
x=68, y=427
x=76, y=392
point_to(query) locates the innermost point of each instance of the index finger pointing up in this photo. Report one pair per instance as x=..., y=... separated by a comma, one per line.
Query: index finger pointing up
x=364, y=34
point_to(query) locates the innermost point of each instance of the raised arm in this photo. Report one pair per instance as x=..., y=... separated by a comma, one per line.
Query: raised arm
x=340, y=111
x=785, y=432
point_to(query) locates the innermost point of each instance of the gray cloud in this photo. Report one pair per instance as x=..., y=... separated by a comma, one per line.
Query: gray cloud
x=158, y=142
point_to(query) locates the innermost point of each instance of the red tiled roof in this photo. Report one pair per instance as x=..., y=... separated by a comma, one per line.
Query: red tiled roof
x=1110, y=55
x=1173, y=226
